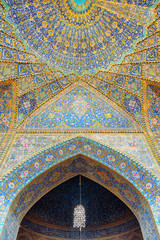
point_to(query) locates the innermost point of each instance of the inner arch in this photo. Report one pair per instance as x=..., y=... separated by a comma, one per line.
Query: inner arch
x=106, y=215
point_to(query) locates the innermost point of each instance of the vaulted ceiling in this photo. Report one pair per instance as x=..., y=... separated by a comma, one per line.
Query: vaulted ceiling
x=81, y=35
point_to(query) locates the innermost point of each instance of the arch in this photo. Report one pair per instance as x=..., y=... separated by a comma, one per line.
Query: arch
x=127, y=179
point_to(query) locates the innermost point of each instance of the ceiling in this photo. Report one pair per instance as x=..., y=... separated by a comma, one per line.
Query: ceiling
x=81, y=35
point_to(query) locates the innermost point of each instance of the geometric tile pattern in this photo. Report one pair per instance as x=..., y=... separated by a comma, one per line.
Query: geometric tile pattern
x=60, y=31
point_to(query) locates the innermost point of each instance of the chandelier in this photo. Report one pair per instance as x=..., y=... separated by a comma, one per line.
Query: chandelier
x=79, y=220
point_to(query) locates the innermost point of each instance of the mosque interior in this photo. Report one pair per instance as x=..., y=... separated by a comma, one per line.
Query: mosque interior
x=80, y=119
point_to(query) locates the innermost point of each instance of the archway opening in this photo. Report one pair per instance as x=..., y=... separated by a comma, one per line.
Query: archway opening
x=53, y=216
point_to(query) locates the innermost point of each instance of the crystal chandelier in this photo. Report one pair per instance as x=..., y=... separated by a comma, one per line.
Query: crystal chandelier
x=79, y=217
x=79, y=212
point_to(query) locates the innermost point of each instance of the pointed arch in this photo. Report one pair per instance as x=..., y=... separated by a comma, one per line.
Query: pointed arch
x=113, y=170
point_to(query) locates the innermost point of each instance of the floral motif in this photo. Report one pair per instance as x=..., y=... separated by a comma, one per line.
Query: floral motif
x=49, y=158
x=61, y=152
x=24, y=174
x=111, y=158
x=36, y=164
x=26, y=104
x=148, y=185
x=123, y=165
x=5, y=107
x=99, y=152
x=11, y=185
x=72, y=147
x=87, y=147
x=135, y=174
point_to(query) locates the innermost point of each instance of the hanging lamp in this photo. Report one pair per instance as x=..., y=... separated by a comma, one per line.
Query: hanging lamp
x=79, y=212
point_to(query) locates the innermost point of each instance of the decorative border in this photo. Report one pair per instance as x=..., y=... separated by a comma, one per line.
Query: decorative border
x=66, y=137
